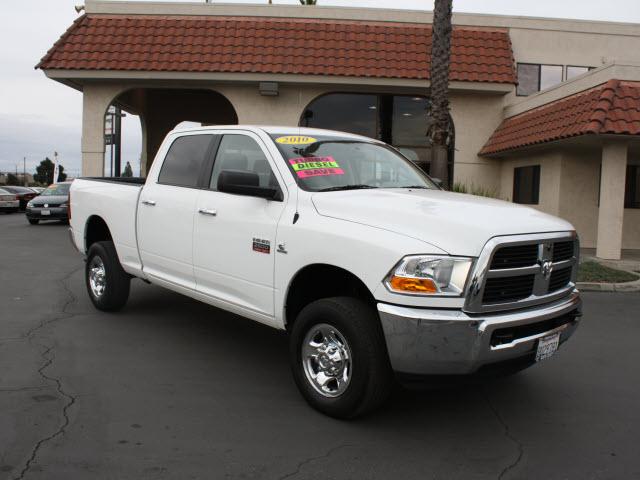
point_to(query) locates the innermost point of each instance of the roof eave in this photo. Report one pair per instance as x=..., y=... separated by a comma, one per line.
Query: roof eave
x=78, y=77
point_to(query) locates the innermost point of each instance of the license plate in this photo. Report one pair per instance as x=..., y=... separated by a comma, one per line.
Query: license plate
x=45, y=212
x=547, y=346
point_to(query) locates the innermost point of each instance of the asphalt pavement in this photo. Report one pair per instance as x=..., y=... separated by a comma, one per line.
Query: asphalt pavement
x=173, y=389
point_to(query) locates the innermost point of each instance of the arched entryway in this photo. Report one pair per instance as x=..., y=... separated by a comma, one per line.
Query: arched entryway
x=161, y=109
x=399, y=120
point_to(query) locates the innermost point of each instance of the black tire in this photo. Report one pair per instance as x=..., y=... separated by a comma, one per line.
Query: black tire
x=33, y=221
x=371, y=378
x=115, y=281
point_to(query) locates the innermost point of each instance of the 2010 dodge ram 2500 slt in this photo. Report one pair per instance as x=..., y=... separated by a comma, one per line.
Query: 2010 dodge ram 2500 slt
x=338, y=239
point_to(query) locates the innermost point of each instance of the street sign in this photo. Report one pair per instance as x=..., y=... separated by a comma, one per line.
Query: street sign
x=108, y=125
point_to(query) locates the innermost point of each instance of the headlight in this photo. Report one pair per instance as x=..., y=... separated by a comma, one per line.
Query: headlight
x=30, y=205
x=429, y=275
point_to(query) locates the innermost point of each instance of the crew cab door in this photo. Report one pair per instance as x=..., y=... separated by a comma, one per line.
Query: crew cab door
x=167, y=208
x=234, y=234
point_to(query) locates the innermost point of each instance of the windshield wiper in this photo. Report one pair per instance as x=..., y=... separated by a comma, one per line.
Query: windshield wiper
x=414, y=186
x=345, y=187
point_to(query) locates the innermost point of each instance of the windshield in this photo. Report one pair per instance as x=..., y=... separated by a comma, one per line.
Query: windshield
x=59, y=189
x=325, y=163
x=18, y=189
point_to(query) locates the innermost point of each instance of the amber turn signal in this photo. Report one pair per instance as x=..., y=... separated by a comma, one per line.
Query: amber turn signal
x=418, y=285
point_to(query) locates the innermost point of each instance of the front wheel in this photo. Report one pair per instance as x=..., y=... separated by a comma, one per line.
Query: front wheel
x=339, y=357
x=107, y=283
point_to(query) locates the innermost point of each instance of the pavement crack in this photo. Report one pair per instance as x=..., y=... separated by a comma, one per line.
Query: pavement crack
x=63, y=314
x=507, y=433
x=48, y=355
x=312, y=459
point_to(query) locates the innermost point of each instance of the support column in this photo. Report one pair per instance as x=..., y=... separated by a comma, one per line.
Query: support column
x=611, y=211
x=95, y=101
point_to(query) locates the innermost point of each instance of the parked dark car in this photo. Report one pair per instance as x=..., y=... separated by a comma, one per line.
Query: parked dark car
x=8, y=201
x=52, y=204
x=24, y=194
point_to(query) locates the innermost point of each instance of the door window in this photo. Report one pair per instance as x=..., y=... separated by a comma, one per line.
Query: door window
x=242, y=153
x=185, y=160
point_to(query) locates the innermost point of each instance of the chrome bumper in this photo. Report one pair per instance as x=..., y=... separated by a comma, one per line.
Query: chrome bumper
x=444, y=342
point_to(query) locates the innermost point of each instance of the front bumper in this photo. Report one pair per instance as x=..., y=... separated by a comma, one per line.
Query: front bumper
x=55, y=213
x=9, y=206
x=452, y=342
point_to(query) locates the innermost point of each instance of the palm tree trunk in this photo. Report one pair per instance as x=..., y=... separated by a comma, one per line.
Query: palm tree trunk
x=439, y=75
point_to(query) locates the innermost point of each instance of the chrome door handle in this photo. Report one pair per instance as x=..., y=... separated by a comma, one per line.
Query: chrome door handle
x=204, y=211
x=151, y=203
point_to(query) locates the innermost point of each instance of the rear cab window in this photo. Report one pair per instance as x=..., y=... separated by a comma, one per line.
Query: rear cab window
x=186, y=160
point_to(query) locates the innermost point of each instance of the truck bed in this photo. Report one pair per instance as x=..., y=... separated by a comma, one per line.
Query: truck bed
x=115, y=201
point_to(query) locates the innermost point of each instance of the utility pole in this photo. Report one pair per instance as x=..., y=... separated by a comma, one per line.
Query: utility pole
x=24, y=171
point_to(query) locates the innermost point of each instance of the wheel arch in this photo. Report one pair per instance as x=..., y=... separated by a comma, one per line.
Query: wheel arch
x=321, y=280
x=96, y=230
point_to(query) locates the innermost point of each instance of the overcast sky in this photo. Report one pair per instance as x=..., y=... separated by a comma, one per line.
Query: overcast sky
x=39, y=116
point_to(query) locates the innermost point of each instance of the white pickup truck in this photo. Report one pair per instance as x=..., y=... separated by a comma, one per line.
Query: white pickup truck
x=372, y=269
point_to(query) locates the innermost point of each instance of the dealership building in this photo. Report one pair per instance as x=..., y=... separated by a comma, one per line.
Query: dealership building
x=545, y=112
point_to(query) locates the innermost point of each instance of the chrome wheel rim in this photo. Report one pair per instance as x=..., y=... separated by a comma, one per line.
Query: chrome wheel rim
x=97, y=277
x=326, y=360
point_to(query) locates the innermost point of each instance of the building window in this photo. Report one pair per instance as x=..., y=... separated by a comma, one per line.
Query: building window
x=526, y=185
x=573, y=72
x=533, y=77
x=632, y=187
x=399, y=120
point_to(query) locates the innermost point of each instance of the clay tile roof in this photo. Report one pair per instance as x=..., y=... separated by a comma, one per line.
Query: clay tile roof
x=610, y=108
x=276, y=46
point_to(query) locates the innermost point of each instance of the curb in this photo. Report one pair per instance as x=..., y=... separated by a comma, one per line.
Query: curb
x=609, y=287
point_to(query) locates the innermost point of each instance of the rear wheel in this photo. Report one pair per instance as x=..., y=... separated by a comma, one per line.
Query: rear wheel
x=107, y=283
x=339, y=357
x=33, y=221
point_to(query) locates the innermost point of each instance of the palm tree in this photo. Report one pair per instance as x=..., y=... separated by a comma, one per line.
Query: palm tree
x=440, y=128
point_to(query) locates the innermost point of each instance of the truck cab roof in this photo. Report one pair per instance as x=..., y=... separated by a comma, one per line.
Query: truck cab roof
x=277, y=129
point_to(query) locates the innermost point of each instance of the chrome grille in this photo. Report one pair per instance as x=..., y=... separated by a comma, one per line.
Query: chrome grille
x=518, y=271
x=514, y=257
x=507, y=289
x=559, y=279
x=562, y=251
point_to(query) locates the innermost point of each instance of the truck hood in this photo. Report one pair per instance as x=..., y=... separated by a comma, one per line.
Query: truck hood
x=456, y=223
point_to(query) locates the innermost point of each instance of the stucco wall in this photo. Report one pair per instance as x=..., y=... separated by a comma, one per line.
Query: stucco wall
x=550, y=175
x=255, y=109
x=631, y=230
x=569, y=188
x=572, y=48
x=579, y=188
x=475, y=117
x=583, y=49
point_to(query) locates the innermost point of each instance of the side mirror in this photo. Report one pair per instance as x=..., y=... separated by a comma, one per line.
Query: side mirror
x=245, y=183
